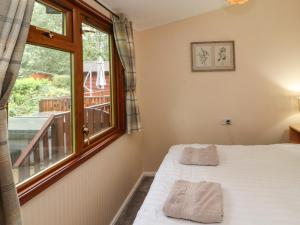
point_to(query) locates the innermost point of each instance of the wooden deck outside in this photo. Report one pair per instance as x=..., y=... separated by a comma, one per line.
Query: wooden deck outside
x=53, y=142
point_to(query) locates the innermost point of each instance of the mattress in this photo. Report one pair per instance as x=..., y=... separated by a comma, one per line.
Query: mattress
x=261, y=185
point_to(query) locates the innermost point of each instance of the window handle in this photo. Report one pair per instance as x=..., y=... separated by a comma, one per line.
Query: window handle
x=46, y=32
x=86, y=132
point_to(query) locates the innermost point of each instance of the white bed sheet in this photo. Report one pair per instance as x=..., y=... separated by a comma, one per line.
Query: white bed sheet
x=261, y=185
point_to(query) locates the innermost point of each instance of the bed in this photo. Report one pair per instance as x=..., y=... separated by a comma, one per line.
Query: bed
x=261, y=185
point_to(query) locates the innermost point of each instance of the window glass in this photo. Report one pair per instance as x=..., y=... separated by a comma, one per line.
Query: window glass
x=39, y=123
x=49, y=18
x=97, y=81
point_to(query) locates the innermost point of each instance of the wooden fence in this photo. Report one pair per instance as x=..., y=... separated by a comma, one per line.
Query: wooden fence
x=62, y=104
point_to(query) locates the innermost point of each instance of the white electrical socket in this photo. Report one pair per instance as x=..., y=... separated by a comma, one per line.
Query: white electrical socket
x=227, y=121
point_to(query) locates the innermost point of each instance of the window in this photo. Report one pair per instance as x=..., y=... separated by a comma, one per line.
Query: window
x=96, y=75
x=68, y=100
x=46, y=17
x=39, y=123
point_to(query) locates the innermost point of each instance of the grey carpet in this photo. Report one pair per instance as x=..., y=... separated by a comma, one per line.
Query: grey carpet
x=129, y=213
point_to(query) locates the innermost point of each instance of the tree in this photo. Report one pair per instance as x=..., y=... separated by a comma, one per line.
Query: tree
x=40, y=59
x=27, y=91
x=95, y=44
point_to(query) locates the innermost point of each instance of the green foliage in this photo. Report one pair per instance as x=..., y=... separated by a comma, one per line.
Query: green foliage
x=44, y=60
x=62, y=81
x=52, y=20
x=51, y=61
x=40, y=59
x=28, y=91
x=95, y=43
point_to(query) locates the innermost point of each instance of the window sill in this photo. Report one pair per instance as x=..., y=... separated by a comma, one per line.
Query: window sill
x=34, y=186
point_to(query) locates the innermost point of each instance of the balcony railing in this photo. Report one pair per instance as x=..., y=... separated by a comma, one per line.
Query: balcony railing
x=53, y=141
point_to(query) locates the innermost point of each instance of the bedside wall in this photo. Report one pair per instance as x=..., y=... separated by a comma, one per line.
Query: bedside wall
x=179, y=106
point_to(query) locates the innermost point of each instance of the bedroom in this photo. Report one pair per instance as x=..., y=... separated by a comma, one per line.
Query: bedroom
x=177, y=105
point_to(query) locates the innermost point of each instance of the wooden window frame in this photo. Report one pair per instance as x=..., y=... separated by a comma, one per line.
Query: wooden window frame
x=75, y=10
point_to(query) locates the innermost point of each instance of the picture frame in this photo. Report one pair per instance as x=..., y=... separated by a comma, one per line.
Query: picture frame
x=213, y=56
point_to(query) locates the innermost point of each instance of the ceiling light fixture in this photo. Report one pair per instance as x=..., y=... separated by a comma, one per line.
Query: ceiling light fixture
x=237, y=2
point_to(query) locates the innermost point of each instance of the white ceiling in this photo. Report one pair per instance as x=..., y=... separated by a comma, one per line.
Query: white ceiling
x=147, y=14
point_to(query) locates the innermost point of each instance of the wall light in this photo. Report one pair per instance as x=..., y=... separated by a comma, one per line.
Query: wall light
x=237, y=2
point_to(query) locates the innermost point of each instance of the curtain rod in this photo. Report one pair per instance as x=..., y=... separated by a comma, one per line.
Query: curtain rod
x=106, y=8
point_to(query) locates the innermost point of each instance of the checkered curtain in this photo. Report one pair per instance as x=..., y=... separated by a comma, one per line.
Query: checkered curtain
x=124, y=41
x=15, y=18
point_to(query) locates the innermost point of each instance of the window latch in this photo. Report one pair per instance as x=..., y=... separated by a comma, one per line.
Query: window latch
x=86, y=132
x=46, y=32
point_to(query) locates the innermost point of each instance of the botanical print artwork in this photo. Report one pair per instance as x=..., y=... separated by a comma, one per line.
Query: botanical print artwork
x=213, y=56
x=203, y=55
x=222, y=54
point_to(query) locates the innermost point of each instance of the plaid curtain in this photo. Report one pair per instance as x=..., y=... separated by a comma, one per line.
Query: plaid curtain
x=15, y=18
x=124, y=41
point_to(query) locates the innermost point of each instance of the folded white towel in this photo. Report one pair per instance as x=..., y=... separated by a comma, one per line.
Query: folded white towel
x=207, y=156
x=201, y=202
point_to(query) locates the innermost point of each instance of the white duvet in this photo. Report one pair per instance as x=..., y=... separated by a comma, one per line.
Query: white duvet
x=261, y=185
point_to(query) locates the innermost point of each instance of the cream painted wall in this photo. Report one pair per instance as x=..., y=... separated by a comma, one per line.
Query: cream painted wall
x=93, y=193
x=179, y=106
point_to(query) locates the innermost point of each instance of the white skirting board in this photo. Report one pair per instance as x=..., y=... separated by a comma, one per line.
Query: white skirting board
x=129, y=196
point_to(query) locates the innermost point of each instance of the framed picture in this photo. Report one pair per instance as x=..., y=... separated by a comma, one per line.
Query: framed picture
x=213, y=56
